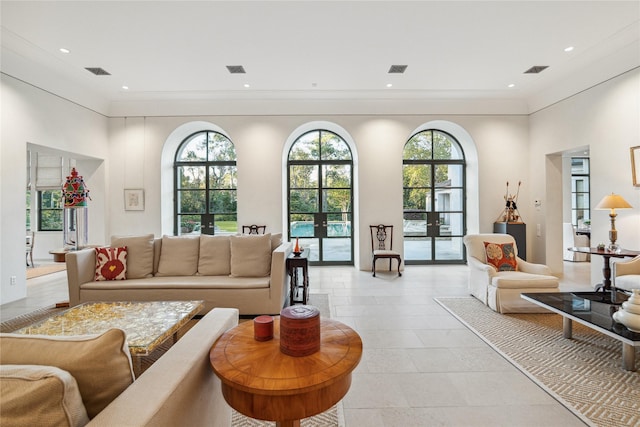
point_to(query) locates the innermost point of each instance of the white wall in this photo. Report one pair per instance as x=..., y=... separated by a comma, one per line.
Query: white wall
x=129, y=153
x=605, y=118
x=30, y=115
x=261, y=142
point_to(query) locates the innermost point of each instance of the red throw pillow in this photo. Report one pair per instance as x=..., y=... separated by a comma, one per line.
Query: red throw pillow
x=111, y=263
x=501, y=256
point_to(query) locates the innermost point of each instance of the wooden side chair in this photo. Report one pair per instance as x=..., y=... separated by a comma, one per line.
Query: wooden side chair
x=254, y=229
x=29, y=248
x=382, y=246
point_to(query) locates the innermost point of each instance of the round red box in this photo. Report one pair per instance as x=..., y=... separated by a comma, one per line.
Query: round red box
x=263, y=328
x=299, y=330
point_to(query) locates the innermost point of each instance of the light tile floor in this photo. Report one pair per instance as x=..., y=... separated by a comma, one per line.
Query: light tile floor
x=420, y=366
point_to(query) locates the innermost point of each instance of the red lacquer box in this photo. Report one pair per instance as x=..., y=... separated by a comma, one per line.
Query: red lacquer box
x=263, y=328
x=299, y=330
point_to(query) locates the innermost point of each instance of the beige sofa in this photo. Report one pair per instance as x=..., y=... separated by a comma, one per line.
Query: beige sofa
x=247, y=272
x=88, y=380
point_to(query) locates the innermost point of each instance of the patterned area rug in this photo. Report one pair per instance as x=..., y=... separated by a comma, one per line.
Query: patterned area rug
x=333, y=417
x=584, y=373
x=41, y=270
x=29, y=318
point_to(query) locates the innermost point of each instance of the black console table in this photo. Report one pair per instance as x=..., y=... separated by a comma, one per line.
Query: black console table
x=298, y=268
x=519, y=232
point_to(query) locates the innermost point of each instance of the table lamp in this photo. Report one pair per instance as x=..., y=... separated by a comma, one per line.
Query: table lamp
x=613, y=202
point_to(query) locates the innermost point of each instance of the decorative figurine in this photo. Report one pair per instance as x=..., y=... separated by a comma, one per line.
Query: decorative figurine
x=510, y=212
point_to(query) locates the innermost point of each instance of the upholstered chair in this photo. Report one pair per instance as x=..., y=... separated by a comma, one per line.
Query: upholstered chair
x=571, y=239
x=626, y=274
x=497, y=276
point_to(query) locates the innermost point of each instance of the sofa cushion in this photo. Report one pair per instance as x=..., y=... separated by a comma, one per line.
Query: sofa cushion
x=101, y=364
x=139, y=254
x=111, y=263
x=250, y=255
x=37, y=395
x=179, y=256
x=215, y=256
x=501, y=255
x=628, y=281
x=520, y=280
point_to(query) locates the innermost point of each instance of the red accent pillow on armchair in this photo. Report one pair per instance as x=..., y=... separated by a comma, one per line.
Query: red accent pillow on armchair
x=111, y=263
x=501, y=256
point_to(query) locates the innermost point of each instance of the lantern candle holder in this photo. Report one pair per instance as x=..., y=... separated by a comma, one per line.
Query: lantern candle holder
x=75, y=213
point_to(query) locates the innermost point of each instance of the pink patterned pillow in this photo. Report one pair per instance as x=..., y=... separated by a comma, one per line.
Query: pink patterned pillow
x=111, y=263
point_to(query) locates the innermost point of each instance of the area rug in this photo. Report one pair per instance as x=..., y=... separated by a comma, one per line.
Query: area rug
x=45, y=269
x=28, y=318
x=584, y=373
x=332, y=417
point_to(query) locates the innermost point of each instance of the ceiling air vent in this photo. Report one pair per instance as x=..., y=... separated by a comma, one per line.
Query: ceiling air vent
x=236, y=69
x=536, y=69
x=397, y=69
x=98, y=71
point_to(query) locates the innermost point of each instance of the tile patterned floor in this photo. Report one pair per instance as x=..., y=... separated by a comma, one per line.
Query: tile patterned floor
x=420, y=366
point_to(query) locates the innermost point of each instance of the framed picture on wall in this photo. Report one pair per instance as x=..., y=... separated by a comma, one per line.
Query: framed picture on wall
x=635, y=165
x=134, y=200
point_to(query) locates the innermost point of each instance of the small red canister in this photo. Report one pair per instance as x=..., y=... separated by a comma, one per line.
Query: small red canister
x=299, y=330
x=263, y=328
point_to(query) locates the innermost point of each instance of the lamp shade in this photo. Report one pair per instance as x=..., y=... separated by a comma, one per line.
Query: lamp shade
x=613, y=201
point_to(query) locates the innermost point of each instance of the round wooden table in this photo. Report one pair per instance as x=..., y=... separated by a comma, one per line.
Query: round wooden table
x=261, y=382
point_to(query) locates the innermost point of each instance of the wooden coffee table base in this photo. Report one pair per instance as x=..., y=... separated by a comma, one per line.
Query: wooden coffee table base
x=261, y=382
x=297, y=406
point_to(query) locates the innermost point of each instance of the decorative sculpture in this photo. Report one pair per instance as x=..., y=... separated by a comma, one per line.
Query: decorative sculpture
x=510, y=212
x=75, y=222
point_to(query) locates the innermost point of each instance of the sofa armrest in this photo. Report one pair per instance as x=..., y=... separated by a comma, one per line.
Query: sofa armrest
x=279, y=276
x=81, y=268
x=181, y=387
x=529, y=267
x=480, y=275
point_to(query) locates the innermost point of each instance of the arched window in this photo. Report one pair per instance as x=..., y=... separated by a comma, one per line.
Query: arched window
x=320, y=196
x=205, y=177
x=433, y=198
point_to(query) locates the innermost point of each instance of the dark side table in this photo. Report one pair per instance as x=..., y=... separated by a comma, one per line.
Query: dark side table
x=605, y=254
x=298, y=265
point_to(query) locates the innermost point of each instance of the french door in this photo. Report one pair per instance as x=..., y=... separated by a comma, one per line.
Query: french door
x=434, y=199
x=320, y=197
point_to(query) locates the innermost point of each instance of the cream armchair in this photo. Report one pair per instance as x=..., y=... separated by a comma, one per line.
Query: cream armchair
x=501, y=290
x=626, y=274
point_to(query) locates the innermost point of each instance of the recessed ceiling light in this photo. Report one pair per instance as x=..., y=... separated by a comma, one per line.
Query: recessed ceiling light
x=63, y=50
x=568, y=49
x=389, y=84
x=125, y=87
x=512, y=85
x=247, y=85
